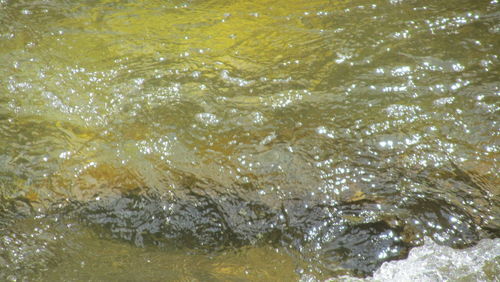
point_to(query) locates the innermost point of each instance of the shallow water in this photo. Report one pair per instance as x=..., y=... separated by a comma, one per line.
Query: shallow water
x=188, y=140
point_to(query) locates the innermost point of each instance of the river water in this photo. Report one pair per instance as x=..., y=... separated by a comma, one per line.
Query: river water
x=249, y=140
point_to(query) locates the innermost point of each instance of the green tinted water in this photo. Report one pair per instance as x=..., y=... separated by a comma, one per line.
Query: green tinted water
x=383, y=114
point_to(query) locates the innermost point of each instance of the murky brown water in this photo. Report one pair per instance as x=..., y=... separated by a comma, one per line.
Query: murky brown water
x=243, y=140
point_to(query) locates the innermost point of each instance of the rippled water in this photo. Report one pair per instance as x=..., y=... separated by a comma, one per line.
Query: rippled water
x=259, y=140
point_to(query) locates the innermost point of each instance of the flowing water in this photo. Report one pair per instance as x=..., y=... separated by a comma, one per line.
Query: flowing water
x=249, y=140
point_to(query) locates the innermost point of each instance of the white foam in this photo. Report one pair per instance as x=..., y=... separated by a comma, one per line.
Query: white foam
x=432, y=262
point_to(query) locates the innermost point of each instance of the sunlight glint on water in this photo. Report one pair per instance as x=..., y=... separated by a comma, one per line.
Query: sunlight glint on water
x=330, y=136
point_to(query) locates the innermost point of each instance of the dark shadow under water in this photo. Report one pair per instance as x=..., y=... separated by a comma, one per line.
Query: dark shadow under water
x=353, y=236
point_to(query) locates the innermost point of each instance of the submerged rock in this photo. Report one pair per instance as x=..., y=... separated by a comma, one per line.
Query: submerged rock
x=198, y=220
x=352, y=235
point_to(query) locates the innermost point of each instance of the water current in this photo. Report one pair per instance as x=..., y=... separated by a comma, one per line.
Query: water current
x=261, y=140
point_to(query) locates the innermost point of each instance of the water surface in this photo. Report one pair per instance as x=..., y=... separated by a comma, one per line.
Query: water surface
x=188, y=140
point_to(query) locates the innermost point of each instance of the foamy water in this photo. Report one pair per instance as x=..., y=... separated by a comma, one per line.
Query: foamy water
x=432, y=262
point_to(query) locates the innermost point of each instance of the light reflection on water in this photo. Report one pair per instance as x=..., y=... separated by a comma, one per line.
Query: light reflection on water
x=349, y=117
